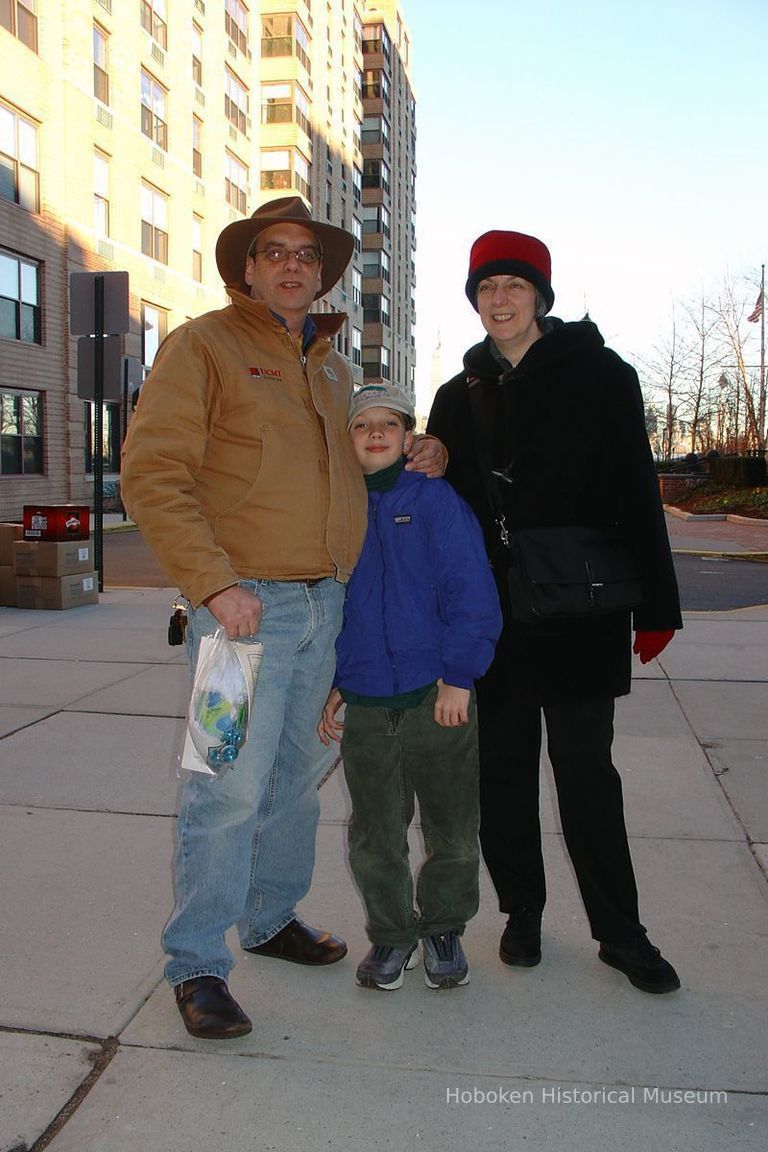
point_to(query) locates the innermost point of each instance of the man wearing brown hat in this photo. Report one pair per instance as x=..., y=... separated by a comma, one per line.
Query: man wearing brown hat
x=238, y=470
x=545, y=431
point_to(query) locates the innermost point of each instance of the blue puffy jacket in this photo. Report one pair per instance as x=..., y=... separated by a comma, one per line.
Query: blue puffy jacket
x=422, y=601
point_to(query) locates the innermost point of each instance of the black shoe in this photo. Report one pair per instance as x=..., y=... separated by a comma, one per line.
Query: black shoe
x=642, y=964
x=520, y=945
x=301, y=944
x=209, y=1011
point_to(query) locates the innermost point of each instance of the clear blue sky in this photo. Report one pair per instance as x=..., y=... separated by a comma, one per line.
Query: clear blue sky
x=629, y=136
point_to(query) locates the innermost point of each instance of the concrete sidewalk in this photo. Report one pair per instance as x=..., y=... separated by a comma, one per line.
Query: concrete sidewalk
x=732, y=536
x=565, y=1056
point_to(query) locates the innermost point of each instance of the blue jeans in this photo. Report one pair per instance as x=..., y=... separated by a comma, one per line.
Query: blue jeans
x=246, y=840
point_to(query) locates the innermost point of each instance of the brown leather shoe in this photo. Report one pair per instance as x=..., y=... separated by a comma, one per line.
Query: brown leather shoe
x=301, y=944
x=209, y=1011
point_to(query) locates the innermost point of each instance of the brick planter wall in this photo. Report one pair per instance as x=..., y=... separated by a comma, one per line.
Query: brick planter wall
x=674, y=485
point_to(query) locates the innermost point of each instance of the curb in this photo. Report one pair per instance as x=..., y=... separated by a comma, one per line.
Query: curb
x=754, y=557
x=731, y=517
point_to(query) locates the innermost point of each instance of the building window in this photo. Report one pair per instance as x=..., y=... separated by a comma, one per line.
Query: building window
x=153, y=110
x=100, y=65
x=236, y=23
x=357, y=232
x=376, y=40
x=357, y=346
x=375, y=85
x=376, y=220
x=197, y=146
x=285, y=104
x=19, y=177
x=154, y=329
x=370, y=133
x=375, y=309
x=357, y=31
x=20, y=317
x=357, y=184
x=357, y=286
x=376, y=175
x=236, y=183
x=154, y=20
x=20, y=18
x=197, y=55
x=21, y=433
x=375, y=362
x=285, y=168
x=235, y=101
x=376, y=265
x=285, y=36
x=100, y=194
x=197, y=249
x=154, y=224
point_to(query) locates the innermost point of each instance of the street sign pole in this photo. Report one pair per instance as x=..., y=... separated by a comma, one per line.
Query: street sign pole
x=98, y=439
x=124, y=428
x=98, y=304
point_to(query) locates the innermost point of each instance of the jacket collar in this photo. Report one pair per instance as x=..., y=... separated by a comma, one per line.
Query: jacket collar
x=327, y=324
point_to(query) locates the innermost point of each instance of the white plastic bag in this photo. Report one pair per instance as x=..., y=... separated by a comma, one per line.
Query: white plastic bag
x=218, y=717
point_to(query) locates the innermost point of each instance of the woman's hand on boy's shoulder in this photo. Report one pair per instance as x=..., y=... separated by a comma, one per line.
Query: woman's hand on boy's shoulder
x=329, y=727
x=451, y=706
x=428, y=455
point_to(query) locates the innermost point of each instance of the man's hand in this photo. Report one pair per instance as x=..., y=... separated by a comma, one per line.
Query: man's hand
x=237, y=610
x=429, y=455
x=451, y=706
x=329, y=727
x=648, y=645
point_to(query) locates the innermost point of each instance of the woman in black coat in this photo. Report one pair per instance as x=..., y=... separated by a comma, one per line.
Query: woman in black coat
x=560, y=418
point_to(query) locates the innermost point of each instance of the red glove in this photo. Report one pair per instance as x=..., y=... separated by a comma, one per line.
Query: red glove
x=648, y=645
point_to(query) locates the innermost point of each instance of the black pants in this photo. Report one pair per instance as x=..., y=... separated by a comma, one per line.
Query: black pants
x=579, y=738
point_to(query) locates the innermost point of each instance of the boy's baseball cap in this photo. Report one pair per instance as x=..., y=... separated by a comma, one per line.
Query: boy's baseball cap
x=381, y=396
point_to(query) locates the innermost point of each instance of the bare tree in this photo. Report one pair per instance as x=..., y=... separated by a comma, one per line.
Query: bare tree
x=660, y=376
x=728, y=312
x=699, y=394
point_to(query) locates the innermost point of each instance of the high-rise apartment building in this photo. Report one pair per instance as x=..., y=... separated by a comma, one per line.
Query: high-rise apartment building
x=131, y=133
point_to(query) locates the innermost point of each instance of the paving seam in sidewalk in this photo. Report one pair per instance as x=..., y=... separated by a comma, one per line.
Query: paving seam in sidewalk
x=717, y=776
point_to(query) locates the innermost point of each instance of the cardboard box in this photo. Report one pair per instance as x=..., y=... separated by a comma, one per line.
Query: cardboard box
x=9, y=533
x=52, y=557
x=57, y=591
x=7, y=586
x=56, y=521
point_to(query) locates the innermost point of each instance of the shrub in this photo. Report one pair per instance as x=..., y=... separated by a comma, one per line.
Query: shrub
x=738, y=471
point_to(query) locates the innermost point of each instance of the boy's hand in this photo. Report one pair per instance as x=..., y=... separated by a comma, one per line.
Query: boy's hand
x=329, y=727
x=451, y=706
x=428, y=454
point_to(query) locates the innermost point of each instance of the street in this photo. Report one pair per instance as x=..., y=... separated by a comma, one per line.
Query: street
x=710, y=584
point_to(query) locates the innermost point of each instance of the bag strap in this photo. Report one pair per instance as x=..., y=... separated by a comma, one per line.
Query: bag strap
x=481, y=426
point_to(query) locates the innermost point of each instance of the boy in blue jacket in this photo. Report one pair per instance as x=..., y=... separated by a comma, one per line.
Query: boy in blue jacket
x=421, y=620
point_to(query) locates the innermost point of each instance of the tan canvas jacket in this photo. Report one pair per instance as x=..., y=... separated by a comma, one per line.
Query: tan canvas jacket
x=237, y=463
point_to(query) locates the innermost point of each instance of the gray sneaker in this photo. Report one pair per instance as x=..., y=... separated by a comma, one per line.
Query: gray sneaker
x=445, y=965
x=383, y=967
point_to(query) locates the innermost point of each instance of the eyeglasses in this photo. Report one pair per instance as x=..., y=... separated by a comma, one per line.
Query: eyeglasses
x=278, y=254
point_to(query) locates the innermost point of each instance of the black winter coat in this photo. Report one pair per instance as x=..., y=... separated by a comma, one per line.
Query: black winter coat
x=568, y=425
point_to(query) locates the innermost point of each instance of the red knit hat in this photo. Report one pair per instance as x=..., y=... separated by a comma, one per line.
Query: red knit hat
x=510, y=254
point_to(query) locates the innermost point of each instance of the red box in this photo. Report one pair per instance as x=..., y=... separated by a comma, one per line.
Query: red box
x=56, y=521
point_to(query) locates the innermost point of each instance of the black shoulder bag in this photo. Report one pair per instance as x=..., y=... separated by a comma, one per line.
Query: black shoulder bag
x=560, y=572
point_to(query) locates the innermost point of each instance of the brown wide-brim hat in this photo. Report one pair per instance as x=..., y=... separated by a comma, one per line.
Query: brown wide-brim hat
x=233, y=243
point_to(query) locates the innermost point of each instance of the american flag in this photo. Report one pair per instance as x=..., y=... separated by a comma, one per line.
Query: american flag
x=757, y=311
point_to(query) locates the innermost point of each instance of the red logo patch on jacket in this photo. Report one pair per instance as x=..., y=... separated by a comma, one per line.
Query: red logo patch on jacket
x=271, y=373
